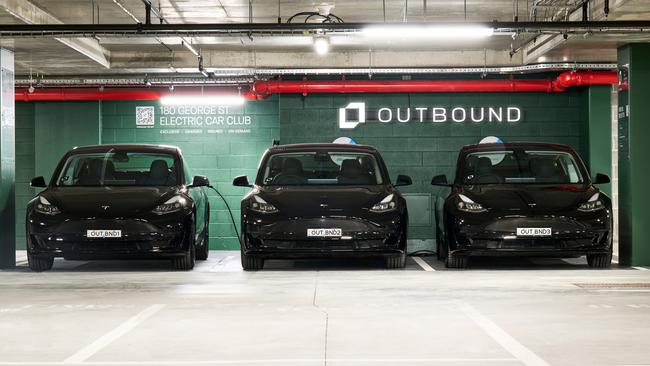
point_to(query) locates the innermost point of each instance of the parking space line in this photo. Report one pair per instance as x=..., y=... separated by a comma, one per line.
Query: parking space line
x=509, y=343
x=425, y=266
x=108, y=338
x=282, y=361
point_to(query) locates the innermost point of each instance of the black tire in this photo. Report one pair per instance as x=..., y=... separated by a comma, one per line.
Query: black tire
x=39, y=264
x=204, y=251
x=186, y=261
x=395, y=261
x=251, y=262
x=602, y=260
x=455, y=261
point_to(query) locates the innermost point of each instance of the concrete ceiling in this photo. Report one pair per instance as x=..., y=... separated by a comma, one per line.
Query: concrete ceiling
x=128, y=55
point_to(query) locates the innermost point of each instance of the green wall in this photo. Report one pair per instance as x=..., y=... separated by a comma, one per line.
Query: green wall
x=420, y=150
x=599, y=156
x=25, y=165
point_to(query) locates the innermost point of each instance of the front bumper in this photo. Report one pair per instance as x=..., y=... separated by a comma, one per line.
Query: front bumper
x=150, y=237
x=571, y=235
x=287, y=238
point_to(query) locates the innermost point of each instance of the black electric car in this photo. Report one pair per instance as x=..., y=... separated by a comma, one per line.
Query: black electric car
x=119, y=202
x=315, y=200
x=527, y=199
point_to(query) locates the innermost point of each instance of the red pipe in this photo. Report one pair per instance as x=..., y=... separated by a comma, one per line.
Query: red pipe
x=64, y=94
x=263, y=89
x=560, y=84
x=79, y=94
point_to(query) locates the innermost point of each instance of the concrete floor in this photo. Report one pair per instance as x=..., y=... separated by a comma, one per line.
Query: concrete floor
x=501, y=312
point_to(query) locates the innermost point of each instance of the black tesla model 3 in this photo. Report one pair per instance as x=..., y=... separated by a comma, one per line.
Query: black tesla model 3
x=119, y=202
x=527, y=199
x=315, y=200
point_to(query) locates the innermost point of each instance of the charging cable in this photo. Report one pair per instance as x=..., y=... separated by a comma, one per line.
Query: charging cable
x=232, y=217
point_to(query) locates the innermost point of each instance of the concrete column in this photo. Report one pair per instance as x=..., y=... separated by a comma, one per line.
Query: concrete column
x=7, y=161
x=633, y=153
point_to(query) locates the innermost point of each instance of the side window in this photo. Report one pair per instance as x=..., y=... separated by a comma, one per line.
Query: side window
x=187, y=174
x=69, y=173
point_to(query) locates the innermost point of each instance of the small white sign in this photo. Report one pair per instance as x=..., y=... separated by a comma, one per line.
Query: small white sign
x=145, y=117
x=534, y=231
x=324, y=233
x=101, y=234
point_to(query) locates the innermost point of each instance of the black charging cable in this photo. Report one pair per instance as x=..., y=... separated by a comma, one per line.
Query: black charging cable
x=232, y=217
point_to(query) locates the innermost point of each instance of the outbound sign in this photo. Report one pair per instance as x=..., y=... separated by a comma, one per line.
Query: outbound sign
x=356, y=113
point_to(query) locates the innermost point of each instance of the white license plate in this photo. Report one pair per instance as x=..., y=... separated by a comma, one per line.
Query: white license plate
x=324, y=233
x=534, y=231
x=97, y=234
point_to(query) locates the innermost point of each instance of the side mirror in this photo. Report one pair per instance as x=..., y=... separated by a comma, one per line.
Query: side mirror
x=200, y=181
x=602, y=179
x=38, y=182
x=440, y=180
x=403, y=180
x=241, y=181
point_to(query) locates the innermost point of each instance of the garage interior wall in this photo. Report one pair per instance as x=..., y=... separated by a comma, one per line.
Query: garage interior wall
x=420, y=150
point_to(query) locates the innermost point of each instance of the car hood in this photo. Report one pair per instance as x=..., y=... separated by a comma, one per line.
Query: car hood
x=316, y=201
x=529, y=198
x=107, y=201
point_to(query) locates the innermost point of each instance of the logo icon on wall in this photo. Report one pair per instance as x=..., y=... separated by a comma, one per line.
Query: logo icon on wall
x=352, y=123
x=145, y=117
x=344, y=141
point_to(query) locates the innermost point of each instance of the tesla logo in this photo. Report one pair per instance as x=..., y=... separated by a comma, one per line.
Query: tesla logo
x=350, y=124
x=106, y=207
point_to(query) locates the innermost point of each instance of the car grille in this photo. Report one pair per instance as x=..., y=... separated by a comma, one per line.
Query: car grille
x=539, y=243
x=317, y=245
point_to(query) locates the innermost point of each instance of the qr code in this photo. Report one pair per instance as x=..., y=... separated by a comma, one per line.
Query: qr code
x=144, y=116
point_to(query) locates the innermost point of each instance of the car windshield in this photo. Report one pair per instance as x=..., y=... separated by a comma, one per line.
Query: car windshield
x=119, y=168
x=321, y=168
x=519, y=166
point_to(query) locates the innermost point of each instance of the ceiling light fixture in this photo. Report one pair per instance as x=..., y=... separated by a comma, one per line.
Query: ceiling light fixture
x=321, y=45
x=428, y=32
x=190, y=48
x=225, y=99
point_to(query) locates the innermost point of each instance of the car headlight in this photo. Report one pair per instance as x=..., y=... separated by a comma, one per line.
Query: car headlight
x=594, y=204
x=385, y=205
x=45, y=207
x=260, y=205
x=467, y=205
x=173, y=204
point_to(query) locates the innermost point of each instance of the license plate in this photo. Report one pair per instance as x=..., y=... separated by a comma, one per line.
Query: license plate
x=534, y=231
x=324, y=233
x=97, y=234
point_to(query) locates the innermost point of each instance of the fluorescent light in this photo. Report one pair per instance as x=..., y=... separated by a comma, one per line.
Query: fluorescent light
x=321, y=45
x=189, y=47
x=202, y=100
x=429, y=31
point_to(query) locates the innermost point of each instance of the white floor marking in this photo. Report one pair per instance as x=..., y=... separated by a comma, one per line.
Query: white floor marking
x=510, y=344
x=425, y=266
x=108, y=338
x=279, y=361
x=641, y=268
